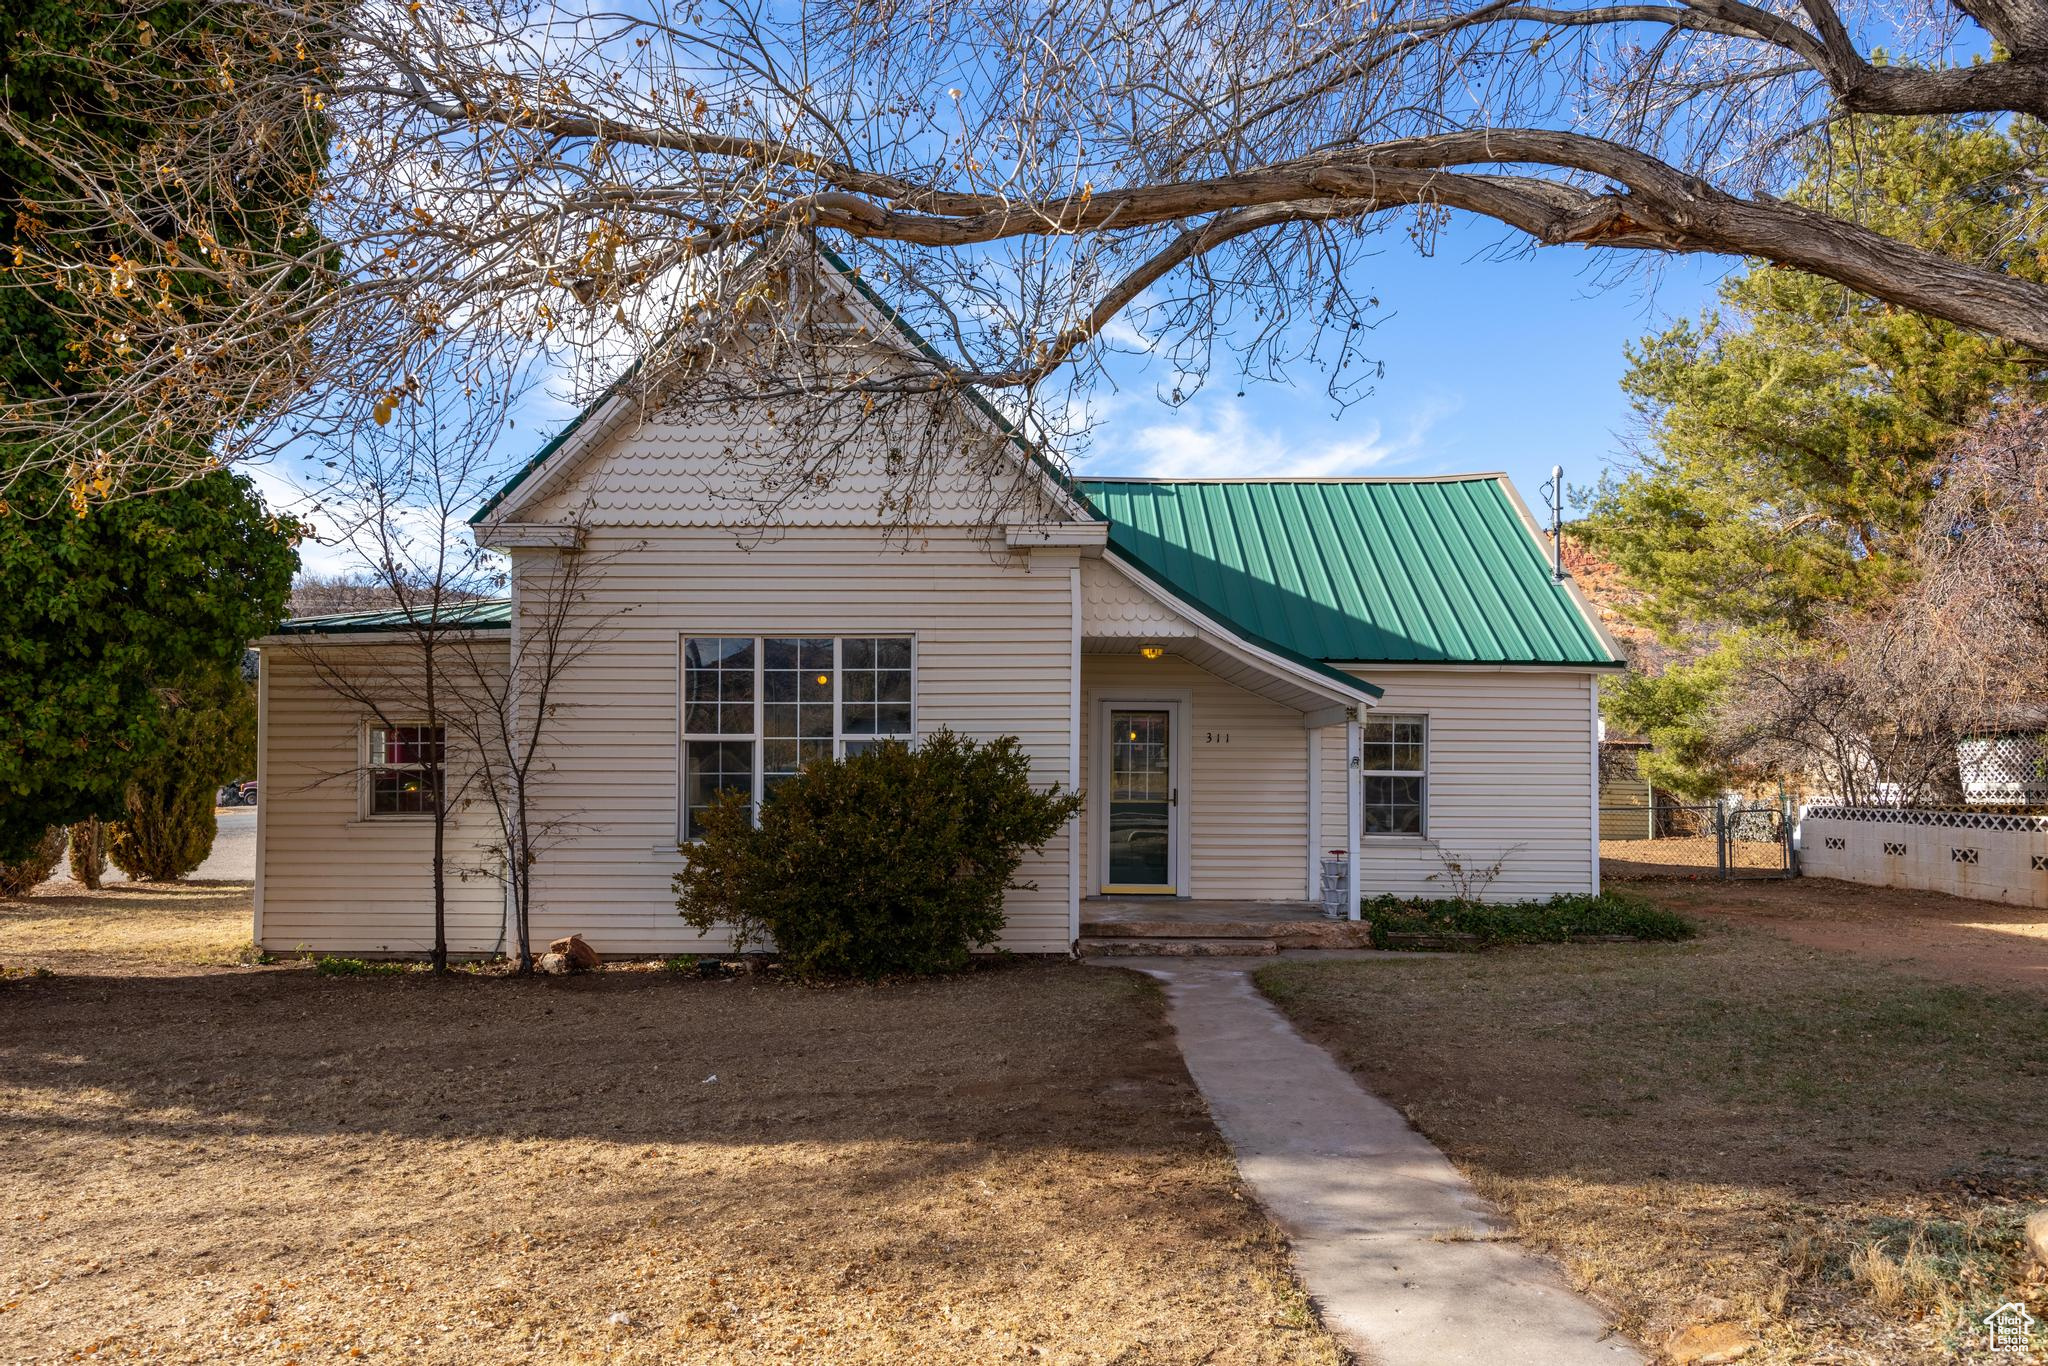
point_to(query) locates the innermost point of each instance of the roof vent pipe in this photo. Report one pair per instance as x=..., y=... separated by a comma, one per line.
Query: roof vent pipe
x=1554, y=495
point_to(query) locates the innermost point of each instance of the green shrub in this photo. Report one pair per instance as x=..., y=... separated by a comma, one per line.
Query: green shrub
x=18, y=877
x=89, y=852
x=1556, y=921
x=327, y=965
x=890, y=861
x=168, y=829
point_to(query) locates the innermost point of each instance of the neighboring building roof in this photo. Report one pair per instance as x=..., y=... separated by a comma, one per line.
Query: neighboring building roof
x=1357, y=571
x=485, y=614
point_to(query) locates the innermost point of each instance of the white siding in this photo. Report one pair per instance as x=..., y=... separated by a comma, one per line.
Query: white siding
x=674, y=471
x=1510, y=777
x=330, y=879
x=1247, y=794
x=1114, y=608
x=993, y=633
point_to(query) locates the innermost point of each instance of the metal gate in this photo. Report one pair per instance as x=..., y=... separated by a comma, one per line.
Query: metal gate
x=1710, y=840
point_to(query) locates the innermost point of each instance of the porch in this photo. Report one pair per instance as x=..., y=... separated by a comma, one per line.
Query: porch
x=1183, y=927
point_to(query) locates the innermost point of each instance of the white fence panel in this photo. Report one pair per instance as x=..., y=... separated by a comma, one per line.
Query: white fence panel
x=1980, y=854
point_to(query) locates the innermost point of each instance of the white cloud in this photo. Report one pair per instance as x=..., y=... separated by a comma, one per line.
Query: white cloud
x=1225, y=443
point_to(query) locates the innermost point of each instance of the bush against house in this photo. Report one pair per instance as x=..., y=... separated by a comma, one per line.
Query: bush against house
x=893, y=860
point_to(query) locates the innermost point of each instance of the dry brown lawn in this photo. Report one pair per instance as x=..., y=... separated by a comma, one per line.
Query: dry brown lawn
x=1948, y=937
x=1829, y=1155
x=143, y=928
x=267, y=1164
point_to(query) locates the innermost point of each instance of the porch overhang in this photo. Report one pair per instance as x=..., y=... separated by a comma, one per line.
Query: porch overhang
x=1310, y=687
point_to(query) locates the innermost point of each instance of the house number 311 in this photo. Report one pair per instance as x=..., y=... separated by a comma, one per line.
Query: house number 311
x=1216, y=737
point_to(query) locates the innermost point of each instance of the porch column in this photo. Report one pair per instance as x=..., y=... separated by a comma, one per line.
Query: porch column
x=1353, y=764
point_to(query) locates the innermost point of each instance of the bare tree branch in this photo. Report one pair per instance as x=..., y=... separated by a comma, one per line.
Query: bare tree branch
x=512, y=186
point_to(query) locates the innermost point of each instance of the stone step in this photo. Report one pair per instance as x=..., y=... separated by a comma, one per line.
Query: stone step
x=1178, y=948
x=1288, y=934
x=1167, y=928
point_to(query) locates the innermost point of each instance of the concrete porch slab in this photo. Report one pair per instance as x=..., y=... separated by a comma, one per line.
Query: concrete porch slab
x=1210, y=927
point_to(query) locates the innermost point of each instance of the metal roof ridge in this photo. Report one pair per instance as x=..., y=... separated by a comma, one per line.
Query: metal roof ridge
x=1472, y=477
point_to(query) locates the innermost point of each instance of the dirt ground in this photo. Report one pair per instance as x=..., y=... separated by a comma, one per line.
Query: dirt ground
x=126, y=927
x=1738, y=1135
x=1684, y=856
x=206, y=1162
x=1946, y=937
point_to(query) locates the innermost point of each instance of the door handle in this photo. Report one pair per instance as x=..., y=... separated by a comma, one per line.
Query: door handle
x=1173, y=797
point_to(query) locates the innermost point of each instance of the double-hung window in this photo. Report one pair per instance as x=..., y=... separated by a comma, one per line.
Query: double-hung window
x=1394, y=757
x=756, y=709
x=405, y=762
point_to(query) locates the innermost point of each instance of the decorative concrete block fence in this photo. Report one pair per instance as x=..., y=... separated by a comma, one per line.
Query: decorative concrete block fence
x=1981, y=854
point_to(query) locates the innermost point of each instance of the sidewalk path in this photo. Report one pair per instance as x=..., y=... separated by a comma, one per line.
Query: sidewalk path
x=1403, y=1258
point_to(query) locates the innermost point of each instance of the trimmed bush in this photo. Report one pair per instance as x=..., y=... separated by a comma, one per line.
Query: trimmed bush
x=1399, y=924
x=169, y=827
x=18, y=877
x=89, y=852
x=891, y=861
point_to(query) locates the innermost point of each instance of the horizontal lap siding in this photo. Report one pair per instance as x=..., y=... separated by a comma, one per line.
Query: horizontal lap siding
x=993, y=658
x=1248, y=816
x=1510, y=764
x=332, y=881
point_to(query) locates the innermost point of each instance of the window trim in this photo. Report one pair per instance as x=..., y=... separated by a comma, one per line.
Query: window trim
x=1422, y=815
x=838, y=635
x=368, y=768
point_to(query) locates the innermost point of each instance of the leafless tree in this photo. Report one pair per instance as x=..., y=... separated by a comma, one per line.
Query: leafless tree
x=394, y=496
x=1871, y=713
x=1984, y=551
x=511, y=696
x=1032, y=185
x=320, y=595
x=1877, y=707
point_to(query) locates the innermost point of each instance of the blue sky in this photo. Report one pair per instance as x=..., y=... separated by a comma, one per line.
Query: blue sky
x=1491, y=364
x=1494, y=361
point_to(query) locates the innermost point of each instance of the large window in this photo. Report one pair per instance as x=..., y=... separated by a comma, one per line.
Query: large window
x=404, y=764
x=756, y=709
x=1395, y=783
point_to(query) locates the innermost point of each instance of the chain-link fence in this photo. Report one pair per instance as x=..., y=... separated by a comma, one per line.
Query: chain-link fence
x=1712, y=840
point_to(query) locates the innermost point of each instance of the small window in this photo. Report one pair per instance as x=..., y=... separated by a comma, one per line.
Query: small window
x=1394, y=785
x=405, y=765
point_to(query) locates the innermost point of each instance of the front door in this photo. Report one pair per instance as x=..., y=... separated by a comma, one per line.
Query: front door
x=1143, y=792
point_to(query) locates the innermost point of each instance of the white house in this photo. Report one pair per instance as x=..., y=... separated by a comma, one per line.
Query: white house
x=1243, y=675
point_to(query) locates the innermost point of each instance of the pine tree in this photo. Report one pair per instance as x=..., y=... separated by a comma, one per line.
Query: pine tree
x=169, y=827
x=89, y=852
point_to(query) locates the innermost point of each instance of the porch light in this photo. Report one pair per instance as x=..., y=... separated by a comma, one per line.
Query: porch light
x=1152, y=651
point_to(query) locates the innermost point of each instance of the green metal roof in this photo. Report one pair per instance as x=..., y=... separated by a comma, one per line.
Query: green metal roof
x=1367, y=571
x=485, y=614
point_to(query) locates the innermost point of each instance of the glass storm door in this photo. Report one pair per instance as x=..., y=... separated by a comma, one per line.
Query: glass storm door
x=1142, y=795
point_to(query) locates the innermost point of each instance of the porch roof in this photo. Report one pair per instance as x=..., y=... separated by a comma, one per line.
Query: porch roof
x=1358, y=571
x=482, y=614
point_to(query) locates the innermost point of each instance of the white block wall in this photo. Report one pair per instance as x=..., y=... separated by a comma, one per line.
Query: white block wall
x=1961, y=853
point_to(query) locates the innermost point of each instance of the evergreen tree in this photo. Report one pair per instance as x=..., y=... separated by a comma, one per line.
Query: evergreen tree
x=168, y=827
x=1795, y=432
x=102, y=600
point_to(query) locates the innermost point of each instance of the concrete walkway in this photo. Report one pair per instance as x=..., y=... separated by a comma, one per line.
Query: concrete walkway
x=1403, y=1258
